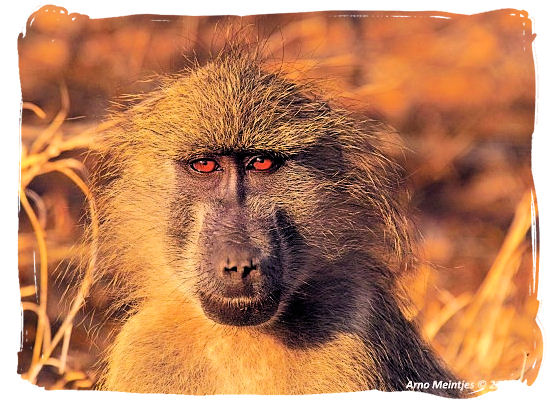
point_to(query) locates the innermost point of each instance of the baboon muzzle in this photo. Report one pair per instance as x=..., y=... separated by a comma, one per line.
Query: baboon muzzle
x=241, y=270
x=241, y=283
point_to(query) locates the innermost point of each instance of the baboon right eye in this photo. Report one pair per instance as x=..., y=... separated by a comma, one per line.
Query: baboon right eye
x=204, y=165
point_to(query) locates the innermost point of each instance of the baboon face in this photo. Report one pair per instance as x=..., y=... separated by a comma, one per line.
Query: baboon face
x=243, y=188
x=251, y=185
x=242, y=251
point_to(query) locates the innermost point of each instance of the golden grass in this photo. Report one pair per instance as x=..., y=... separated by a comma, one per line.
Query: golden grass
x=38, y=161
x=483, y=338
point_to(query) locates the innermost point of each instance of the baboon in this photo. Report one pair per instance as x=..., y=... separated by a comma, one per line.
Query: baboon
x=255, y=231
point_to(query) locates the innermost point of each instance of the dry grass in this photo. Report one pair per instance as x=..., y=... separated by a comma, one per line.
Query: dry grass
x=485, y=337
x=40, y=159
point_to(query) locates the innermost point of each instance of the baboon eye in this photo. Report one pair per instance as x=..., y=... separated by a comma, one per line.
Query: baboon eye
x=260, y=163
x=204, y=165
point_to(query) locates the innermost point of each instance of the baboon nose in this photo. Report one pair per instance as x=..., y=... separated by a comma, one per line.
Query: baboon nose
x=240, y=269
x=239, y=266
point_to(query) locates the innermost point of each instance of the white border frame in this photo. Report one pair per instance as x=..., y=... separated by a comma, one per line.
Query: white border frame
x=14, y=23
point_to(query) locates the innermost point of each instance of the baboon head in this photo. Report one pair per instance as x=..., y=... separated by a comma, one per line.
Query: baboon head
x=232, y=186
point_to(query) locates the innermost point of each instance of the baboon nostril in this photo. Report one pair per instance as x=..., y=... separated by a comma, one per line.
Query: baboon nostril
x=248, y=268
x=230, y=269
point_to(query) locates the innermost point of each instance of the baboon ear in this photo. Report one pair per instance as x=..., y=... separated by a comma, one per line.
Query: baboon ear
x=378, y=152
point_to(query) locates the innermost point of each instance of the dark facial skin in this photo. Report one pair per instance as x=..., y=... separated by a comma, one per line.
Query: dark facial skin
x=242, y=265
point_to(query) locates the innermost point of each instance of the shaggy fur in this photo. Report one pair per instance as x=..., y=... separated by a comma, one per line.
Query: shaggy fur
x=336, y=204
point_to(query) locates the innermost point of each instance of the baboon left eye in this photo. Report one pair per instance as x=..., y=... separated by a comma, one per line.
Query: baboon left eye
x=260, y=163
x=204, y=165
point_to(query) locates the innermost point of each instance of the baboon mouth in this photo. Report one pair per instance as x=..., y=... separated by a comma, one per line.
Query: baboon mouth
x=240, y=311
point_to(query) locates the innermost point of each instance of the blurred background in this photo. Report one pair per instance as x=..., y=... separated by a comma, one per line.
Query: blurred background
x=459, y=89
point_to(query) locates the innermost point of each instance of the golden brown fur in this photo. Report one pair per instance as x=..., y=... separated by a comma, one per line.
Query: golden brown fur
x=338, y=326
x=207, y=358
